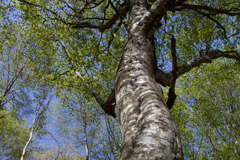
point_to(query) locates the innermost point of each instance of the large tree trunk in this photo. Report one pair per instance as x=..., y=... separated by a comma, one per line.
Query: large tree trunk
x=147, y=128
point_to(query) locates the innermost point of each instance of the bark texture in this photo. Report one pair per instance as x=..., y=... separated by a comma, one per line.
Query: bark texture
x=147, y=127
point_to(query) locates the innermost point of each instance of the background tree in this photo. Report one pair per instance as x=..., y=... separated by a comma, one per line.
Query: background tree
x=84, y=127
x=12, y=94
x=18, y=89
x=180, y=40
x=213, y=123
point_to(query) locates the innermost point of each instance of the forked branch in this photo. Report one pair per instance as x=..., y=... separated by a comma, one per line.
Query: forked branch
x=169, y=79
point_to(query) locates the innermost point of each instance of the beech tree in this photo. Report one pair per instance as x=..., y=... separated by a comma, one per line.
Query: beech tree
x=158, y=42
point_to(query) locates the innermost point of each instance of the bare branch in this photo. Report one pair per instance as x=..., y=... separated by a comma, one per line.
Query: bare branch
x=159, y=7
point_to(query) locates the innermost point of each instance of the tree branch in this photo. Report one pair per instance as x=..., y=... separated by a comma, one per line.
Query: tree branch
x=211, y=55
x=162, y=77
x=102, y=27
x=171, y=93
x=200, y=9
x=9, y=87
x=157, y=10
x=209, y=9
x=105, y=26
x=121, y=16
x=215, y=21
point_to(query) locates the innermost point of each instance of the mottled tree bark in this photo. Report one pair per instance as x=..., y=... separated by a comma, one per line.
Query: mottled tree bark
x=148, y=130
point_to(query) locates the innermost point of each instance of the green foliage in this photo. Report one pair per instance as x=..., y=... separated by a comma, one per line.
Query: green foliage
x=20, y=88
x=13, y=135
x=89, y=49
x=207, y=108
x=208, y=111
x=56, y=153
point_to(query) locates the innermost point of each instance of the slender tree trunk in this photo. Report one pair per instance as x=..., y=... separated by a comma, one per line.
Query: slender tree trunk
x=31, y=132
x=148, y=130
x=85, y=135
x=83, y=120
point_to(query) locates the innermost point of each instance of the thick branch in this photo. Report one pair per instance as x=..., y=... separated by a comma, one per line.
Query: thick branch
x=162, y=77
x=169, y=79
x=206, y=59
x=159, y=7
x=156, y=12
x=171, y=93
